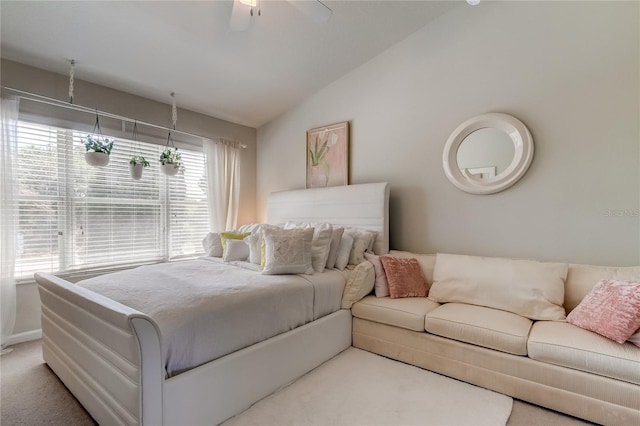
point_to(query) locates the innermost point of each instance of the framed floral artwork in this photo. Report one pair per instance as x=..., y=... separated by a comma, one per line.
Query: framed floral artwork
x=328, y=156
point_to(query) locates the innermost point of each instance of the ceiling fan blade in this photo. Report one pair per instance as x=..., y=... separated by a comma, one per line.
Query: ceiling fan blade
x=240, y=17
x=313, y=8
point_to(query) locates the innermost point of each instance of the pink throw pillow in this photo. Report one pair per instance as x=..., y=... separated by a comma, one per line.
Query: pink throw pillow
x=611, y=309
x=404, y=277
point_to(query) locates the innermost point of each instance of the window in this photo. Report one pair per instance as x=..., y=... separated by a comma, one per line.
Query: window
x=74, y=217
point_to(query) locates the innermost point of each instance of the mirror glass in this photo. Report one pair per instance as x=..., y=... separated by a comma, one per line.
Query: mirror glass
x=485, y=153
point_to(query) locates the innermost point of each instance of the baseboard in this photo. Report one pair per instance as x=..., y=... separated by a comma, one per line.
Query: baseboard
x=26, y=336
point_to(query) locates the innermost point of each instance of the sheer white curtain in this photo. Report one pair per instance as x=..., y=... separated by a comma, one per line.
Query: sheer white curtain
x=223, y=180
x=9, y=123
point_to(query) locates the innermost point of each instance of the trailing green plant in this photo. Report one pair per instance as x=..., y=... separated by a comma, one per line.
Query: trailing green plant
x=139, y=159
x=96, y=144
x=172, y=156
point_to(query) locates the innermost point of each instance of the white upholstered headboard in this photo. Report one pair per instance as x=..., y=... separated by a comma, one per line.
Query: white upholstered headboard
x=364, y=206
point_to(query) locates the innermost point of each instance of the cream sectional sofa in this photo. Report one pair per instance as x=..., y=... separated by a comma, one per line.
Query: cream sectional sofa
x=550, y=363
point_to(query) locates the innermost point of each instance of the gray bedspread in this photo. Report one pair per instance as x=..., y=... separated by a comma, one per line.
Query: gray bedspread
x=207, y=309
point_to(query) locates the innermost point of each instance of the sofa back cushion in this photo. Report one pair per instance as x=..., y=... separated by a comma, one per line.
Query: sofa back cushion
x=426, y=261
x=582, y=278
x=529, y=288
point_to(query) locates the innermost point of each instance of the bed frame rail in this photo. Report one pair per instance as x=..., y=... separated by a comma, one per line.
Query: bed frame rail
x=96, y=346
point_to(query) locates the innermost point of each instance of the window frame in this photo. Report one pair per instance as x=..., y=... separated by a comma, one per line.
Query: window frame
x=66, y=147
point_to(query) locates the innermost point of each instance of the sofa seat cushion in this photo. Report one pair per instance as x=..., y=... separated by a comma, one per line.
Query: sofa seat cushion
x=564, y=344
x=481, y=326
x=407, y=312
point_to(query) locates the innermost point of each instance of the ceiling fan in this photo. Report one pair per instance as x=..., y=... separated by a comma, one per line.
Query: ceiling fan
x=243, y=10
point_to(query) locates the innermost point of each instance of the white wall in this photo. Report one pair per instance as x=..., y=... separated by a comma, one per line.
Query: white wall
x=568, y=70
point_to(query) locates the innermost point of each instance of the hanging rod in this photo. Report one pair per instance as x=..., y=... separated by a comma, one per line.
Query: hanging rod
x=58, y=103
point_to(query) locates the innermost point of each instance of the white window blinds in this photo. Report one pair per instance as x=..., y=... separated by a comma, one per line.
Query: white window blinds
x=74, y=217
x=188, y=214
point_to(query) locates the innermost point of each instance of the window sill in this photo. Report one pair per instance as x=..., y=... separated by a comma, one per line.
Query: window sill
x=75, y=276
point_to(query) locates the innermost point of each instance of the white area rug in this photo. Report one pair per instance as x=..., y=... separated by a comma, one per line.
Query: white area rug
x=360, y=388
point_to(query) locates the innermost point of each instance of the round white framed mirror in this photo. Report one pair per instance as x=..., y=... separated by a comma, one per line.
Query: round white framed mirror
x=488, y=153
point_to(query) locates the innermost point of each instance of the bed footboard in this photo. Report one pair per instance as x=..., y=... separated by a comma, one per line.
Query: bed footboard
x=96, y=347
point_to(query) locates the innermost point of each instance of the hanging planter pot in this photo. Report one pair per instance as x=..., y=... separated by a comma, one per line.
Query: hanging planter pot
x=170, y=159
x=169, y=169
x=96, y=159
x=137, y=162
x=98, y=147
x=136, y=171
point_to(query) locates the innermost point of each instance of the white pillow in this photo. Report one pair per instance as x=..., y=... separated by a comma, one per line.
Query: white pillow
x=360, y=284
x=344, y=249
x=381, y=286
x=236, y=250
x=362, y=241
x=336, y=235
x=254, y=241
x=290, y=224
x=287, y=251
x=531, y=289
x=249, y=227
x=212, y=244
x=321, y=242
x=321, y=245
x=254, y=227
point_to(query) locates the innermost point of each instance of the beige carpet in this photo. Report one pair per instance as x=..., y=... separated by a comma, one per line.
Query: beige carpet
x=31, y=394
x=361, y=388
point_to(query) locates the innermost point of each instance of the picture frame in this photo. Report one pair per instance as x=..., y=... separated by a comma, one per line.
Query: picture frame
x=328, y=155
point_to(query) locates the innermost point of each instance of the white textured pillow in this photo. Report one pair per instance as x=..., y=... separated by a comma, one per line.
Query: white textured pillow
x=321, y=242
x=236, y=250
x=534, y=290
x=362, y=241
x=381, y=286
x=287, y=251
x=336, y=236
x=344, y=249
x=212, y=244
x=359, y=284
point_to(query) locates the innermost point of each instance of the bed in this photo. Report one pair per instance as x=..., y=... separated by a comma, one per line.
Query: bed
x=112, y=357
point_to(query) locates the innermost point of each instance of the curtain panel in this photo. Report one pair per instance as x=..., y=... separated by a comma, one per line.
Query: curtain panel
x=9, y=123
x=223, y=179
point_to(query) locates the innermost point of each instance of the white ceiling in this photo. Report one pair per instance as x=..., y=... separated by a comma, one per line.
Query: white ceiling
x=153, y=48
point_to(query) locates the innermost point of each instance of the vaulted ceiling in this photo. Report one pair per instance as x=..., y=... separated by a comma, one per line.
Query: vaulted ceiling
x=249, y=77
